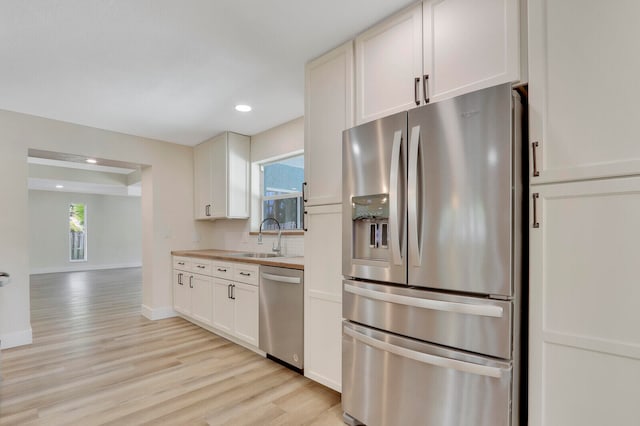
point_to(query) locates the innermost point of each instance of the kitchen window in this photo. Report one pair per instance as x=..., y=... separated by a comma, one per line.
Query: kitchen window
x=77, y=232
x=281, y=194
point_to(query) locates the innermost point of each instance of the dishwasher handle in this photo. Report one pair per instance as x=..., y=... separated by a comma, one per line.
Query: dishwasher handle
x=281, y=278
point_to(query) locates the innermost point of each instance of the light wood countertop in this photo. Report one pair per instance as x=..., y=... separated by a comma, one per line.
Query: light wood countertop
x=283, y=262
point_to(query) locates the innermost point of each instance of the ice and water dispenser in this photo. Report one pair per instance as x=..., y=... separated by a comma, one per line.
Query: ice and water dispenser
x=370, y=221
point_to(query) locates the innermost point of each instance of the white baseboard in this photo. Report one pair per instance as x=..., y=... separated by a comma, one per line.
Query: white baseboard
x=323, y=380
x=17, y=338
x=82, y=267
x=158, y=313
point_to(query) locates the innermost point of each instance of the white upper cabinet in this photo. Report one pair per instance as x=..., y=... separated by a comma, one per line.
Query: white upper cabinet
x=221, y=175
x=202, y=180
x=219, y=169
x=436, y=50
x=583, y=91
x=328, y=111
x=469, y=45
x=388, y=60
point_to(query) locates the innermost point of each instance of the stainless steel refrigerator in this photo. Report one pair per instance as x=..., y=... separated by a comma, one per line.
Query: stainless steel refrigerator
x=433, y=264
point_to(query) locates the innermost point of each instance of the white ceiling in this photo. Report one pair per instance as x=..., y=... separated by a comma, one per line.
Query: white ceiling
x=170, y=69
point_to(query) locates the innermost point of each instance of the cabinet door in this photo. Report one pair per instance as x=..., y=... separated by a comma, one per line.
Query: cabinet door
x=202, y=298
x=223, y=306
x=246, y=312
x=181, y=302
x=202, y=180
x=583, y=102
x=323, y=296
x=584, y=296
x=219, y=176
x=388, y=60
x=470, y=45
x=238, y=183
x=328, y=111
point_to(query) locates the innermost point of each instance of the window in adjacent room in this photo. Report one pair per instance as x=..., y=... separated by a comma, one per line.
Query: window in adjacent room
x=282, y=192
x=77, y=232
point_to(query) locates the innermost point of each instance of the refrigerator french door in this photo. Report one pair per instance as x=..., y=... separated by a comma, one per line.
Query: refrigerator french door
x=432, y=263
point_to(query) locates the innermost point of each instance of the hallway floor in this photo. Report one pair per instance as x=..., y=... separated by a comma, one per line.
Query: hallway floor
x=96, y=360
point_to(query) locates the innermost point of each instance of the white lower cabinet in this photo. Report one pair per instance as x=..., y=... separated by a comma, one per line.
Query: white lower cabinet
x=181, y=301
x=584, y=342
x=245, y=297
x=192, y=295
x=227, y=305
x=200, y=287
x=323, y=295
x=223, y=306
x=235, y=309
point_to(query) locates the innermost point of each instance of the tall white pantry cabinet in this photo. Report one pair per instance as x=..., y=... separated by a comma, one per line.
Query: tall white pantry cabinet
x=584, y=366
x=328, y=111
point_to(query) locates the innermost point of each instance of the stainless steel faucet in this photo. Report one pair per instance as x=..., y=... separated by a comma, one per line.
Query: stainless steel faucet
x=275, y=248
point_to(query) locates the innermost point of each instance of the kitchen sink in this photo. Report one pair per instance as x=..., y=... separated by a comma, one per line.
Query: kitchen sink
x=256, y=255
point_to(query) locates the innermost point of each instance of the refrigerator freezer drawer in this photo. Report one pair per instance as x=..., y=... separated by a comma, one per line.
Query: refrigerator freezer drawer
x=392, y=380
x=469, y=323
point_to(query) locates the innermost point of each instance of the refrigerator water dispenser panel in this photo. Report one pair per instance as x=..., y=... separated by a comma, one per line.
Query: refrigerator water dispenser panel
x=370, y=219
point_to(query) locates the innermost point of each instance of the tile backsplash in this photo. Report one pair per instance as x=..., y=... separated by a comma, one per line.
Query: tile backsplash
x=234, y=235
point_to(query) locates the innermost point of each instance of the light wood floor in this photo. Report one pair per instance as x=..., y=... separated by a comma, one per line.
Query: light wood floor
x=96, y=360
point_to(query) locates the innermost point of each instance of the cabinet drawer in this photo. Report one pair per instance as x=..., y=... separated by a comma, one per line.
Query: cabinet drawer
x=201, y=266
x=222, y=270
x=182, y=263
x=245, y=273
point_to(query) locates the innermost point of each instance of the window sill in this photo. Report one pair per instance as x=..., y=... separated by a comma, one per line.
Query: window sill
x=284, y=232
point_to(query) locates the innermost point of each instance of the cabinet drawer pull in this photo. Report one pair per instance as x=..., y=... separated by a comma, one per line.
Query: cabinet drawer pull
x=181, y=263
x=416, y=85
x=246, y=274
x=222, y=270
x=200, y=266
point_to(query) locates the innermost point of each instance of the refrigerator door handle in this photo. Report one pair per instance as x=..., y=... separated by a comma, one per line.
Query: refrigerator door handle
x=437, y=305
x=412, y=195
x=393, y=197
x=438, y=361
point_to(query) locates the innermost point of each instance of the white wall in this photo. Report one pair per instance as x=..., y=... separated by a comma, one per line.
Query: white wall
x=114, y=231
x=167, y=208
x=278, y=141
x=283, y=140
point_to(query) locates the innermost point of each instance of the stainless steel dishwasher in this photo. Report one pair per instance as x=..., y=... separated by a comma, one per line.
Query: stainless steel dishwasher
x=281, y=315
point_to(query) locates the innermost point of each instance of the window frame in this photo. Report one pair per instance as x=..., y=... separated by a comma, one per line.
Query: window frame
x=296, y=195
x=86, y=236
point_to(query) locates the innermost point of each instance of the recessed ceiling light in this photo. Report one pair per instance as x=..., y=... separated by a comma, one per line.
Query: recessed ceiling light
x=243, y=108
x=92, y=160
x=59, y=186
